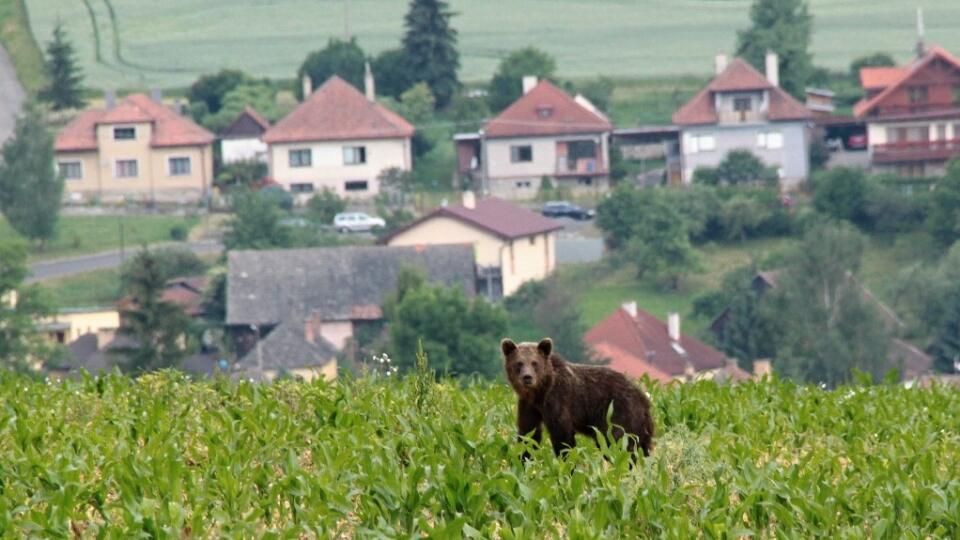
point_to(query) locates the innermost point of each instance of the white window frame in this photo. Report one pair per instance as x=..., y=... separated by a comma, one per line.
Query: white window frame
x=515, y=153
x=300, y=164
x=70, y=162
x=170, y=166
x=699, y=142
x=301, y=187
x=133, y=128
x=770, y=140
x=116, y=168
x=351, y=153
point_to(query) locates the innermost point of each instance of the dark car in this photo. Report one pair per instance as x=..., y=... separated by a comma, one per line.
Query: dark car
x=566, y=209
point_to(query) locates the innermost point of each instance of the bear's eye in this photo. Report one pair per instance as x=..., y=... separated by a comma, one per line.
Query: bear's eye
x=519, y=368
x=534, y=364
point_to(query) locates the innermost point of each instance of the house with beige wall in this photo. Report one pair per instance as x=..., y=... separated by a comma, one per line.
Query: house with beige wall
x=511, y=244
x=139, y=150
x=546, y=133
x=67, y=325
x=339, y=139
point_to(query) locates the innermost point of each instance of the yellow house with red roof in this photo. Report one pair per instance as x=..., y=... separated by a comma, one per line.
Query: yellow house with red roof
x=138, y=149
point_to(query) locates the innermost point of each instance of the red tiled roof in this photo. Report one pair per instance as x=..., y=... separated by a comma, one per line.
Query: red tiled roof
x=338, y=111
x=864, y=106
x=646, y=337
x=497, y=216
x=628, y=364
x=169, y=128
x=875, y=78
x=545, y=110
x=739, y=76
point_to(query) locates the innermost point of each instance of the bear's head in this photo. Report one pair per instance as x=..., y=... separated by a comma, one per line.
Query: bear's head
x=527, y=364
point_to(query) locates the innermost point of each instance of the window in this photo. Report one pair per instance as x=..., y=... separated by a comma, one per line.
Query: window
x=355, y=185
x=917, y=94
x=585, y=181
x=301, y=188
x=941, y=132
x=70, y=170
x=127, y=168
x=699, y=143
x=124, y=133
x=300, y=157
x=742, y=104
x=770, y=139
x=179, y=166
x=354, y=155
x=523, y=184
x=521, y=154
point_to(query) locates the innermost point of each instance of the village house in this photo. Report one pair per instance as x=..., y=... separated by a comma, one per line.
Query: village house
x=740, y=109
x=636, y=343
x=546, y=133
x=338, y=138
x=303, y=306
x=241, y=140
x=68, y=324
x=912, y=114
x=511, y=244
x=136, y=149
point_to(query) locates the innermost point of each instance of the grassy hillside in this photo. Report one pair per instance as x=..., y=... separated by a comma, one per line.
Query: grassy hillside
x=17, y=39
x=144, y=43
x=166, y=457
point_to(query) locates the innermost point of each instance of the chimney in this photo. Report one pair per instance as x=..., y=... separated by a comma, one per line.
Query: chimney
x=719, y=64
x=631, y=308
x=307, y=86
x=673, y=325
x=368, y=84
x=469, y=200
x=178, y=107
x=773, y=68
x=529, y=81
x=762, y=368
x=110, y=99
x=312, y=328
x=156, y=95
x=921, y=49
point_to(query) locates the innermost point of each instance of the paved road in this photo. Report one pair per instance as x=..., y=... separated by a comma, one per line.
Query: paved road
x=60, y=268
x=11, y=96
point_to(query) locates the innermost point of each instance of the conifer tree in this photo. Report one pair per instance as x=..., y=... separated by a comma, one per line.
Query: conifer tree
x=430, y=47
x=64, y=90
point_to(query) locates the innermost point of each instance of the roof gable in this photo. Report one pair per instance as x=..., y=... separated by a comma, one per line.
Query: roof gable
x=169, y=128
x=546, y=110
x=496, y=216
x=287, y=347
x=249, y=123
x=739, y=76
x=906, y=74
x=338, y=111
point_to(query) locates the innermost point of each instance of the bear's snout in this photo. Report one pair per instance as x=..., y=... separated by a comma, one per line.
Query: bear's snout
x=528, y=380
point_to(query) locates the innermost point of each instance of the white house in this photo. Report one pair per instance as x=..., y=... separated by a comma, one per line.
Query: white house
x=546, y=133
x=240, y=141
x=338, y=139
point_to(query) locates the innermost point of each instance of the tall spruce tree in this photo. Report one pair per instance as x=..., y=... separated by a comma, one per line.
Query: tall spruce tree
x=430, y=46
x=64, y=91
x=156, y=330
x=30, y=188
x=784, y=27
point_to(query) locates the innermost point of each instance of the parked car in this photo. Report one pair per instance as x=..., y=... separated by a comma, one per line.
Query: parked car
x=356, y=222
x=857, y=141
x=566, y=209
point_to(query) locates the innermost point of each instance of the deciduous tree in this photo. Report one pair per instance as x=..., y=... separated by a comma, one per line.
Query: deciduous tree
x=30, y=189
x=21, y=306
x=944, y=219
x=507, y=83
x=784, y=27
x=256, y=224
x=342, y=58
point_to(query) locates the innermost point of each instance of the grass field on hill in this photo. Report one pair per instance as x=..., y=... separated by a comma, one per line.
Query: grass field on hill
x=144, y=43
x=164, y=457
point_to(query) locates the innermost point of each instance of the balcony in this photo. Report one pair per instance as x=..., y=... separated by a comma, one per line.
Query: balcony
x=915, y=151
x=579, y=167
x=918, y=110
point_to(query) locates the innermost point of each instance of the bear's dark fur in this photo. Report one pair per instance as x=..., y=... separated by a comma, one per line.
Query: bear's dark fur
x=571, y=398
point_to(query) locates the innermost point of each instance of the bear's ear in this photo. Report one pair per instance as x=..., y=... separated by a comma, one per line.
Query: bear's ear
x=508, y=347
x=545, y=347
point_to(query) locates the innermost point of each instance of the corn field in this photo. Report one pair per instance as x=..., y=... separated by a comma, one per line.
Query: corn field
x=381, y=457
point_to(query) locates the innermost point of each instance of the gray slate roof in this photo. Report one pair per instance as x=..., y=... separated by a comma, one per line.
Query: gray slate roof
x=271, y=286
x=285, y=347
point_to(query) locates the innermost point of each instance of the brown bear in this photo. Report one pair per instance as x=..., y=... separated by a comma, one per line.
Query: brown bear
x=571, y=398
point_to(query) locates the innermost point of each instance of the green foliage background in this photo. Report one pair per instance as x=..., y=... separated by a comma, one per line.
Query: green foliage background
x=164, y=456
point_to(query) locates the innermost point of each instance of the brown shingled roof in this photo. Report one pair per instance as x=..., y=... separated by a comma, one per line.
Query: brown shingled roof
x=338, y=111
x=545, y=110
x=646, y=337
x=169, y=128
x=503, y=219
x=865, y=106
x=739, y=76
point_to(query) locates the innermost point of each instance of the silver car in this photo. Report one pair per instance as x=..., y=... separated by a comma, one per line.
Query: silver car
x=356, y=222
